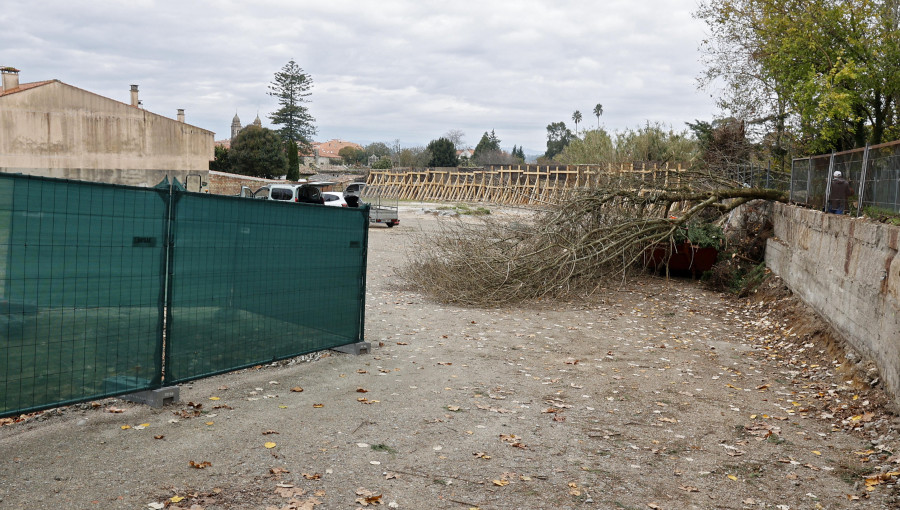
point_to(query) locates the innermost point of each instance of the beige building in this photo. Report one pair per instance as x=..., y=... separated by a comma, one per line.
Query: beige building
x=53, y=129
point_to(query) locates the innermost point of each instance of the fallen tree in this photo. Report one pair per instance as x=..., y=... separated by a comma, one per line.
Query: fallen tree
x=575, y=246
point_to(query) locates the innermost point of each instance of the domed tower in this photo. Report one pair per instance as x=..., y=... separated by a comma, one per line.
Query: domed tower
x=235, y=126
x=257, y=122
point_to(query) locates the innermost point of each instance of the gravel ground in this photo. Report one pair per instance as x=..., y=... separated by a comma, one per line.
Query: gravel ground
x=659, y=395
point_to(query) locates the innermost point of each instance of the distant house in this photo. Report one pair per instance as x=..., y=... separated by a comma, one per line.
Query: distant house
x=465, y=153
x=54, y=129
x=326, y=154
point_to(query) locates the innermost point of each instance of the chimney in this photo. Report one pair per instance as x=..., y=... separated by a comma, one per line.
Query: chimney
x=10, y=78
x=134, y=96
x=181, y=115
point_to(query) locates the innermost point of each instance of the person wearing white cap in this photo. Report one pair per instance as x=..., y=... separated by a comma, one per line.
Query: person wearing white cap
x=840, y=191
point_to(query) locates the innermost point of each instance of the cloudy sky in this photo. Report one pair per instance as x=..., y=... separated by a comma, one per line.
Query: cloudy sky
x=382, y=70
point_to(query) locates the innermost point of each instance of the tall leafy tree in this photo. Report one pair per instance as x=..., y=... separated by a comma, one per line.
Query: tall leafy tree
x=488, y=143
x=598, y=111
x=292, y=89
x=655, y=142
x=259, y=152
x=383, y=163
x=352, y=155
x=576, y=118
x=558, y=137
x=221, y=162
x=595, y=148
x=443, y=153
x=828, y=70
x=378, y=149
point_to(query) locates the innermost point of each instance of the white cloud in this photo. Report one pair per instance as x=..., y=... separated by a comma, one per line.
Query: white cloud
x=393, y=69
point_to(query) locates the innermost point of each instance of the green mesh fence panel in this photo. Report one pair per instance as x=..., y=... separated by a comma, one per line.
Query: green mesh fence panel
x=81, y=274
x=258, y=280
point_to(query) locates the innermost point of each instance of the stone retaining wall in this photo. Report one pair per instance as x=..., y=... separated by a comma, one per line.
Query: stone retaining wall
x=847, y=269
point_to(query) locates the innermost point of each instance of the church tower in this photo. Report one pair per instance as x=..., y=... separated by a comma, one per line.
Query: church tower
x=235, y=126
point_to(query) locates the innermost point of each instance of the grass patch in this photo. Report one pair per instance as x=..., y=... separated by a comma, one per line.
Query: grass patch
x=882, y=215
x=383, y=448
x=851, y=475
x=466, y=209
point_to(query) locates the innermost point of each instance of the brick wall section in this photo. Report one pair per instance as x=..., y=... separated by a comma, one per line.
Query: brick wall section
x=848, y=270
x=221, y=183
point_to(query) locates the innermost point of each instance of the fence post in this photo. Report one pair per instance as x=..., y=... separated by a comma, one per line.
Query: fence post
x=862, y=182
x=829, y=176
x=791, y=189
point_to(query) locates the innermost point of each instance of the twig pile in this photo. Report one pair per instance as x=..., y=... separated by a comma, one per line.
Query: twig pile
x=573, y=248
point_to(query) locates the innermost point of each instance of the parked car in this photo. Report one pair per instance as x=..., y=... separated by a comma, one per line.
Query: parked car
x=334, y=199
x=354, y=188
x=290, y=193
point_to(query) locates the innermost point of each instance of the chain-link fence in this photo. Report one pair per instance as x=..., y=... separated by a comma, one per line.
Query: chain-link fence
x=89, y=271
x=755, y=175
x=873, y=172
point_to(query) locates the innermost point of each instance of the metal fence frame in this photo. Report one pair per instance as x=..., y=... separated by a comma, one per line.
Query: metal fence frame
x=874, y=171
x=101, y=292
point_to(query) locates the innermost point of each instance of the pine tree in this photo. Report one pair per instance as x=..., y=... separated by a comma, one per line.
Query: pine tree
x=291, y=86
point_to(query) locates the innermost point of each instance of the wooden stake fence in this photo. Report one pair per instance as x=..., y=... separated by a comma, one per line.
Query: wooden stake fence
x=513, y=184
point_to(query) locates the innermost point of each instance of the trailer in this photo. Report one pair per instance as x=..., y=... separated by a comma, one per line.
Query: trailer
x=382, y=210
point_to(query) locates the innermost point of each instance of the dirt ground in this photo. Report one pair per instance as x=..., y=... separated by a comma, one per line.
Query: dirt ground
x=658, y=394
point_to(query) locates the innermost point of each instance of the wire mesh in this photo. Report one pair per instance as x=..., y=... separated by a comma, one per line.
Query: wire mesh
x=255, y=280
x=881, y=187
x=80, y=291
x=873, y=172
x=88, y=272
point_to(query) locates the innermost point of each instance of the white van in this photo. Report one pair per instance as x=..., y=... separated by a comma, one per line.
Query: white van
x=290, y=193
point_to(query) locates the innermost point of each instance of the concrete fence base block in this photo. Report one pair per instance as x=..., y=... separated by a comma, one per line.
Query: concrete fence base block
x=154, y=398
x=356, y=348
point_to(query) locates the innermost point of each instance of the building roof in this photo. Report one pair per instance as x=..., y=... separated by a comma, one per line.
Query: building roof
x=331, y=148
x=25, y=86
x=28, y=86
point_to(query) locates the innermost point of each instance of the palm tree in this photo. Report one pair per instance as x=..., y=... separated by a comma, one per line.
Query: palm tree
x=576, y=117
x=598, y=111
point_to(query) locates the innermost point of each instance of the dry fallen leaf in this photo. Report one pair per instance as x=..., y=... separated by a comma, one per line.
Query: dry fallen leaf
x=289, y=492
x=318, y=405
x=200, y=465
x=688, y=488
x=296, y=389
x=270, y=445
x=501, y=483
x=314, y=476
x=361, y=390
x=367, y=498
x=278, y=470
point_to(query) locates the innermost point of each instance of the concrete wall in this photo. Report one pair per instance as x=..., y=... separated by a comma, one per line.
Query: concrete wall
x=847, y=269
x=58, y=130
